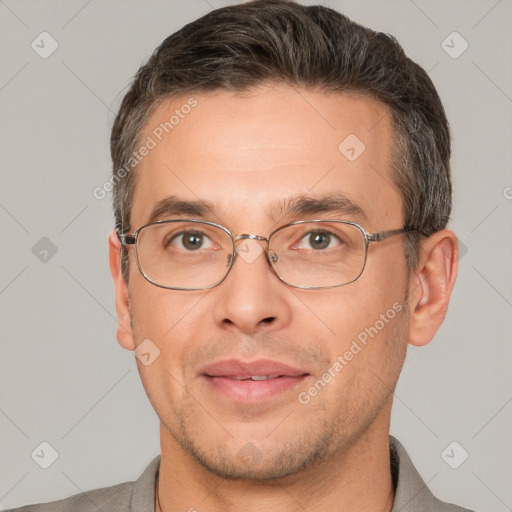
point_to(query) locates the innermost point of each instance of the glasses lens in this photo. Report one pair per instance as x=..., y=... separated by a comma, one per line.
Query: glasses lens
x=184, y=254
x=318, y=254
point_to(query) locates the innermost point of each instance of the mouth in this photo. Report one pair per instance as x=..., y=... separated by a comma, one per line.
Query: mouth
x=252, y=382
x=251, y=377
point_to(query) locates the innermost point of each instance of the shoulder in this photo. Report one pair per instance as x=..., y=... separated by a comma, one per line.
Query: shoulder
x=115, y=498
x=412, y=493
x=138, y=496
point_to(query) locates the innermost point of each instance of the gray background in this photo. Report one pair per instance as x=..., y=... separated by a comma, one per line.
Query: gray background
x=65, y=380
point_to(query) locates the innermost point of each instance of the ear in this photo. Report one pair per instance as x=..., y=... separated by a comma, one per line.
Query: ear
x=431, y=285
x=124, y=330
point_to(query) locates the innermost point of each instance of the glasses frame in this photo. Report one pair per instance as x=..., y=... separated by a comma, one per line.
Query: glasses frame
x=130, y=239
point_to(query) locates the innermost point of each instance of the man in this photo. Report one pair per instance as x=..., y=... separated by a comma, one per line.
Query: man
x=281, y=195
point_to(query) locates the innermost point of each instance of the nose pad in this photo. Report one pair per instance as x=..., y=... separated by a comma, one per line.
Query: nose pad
x=273, y=258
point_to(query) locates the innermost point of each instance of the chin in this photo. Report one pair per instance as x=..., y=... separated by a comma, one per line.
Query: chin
x=258, y=461
x=250, y=464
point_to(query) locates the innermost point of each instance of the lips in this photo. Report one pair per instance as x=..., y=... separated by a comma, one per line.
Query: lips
x=256, y=377
x=251, y=382
x=240, y=370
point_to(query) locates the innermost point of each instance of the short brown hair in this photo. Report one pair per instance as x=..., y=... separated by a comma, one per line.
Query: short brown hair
x=279, y=41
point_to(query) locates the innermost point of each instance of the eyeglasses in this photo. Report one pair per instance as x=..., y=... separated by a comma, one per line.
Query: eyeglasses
x=198, y=255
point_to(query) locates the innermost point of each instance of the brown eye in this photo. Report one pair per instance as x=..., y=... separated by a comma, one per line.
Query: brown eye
x=318, y=240
x=191, y=241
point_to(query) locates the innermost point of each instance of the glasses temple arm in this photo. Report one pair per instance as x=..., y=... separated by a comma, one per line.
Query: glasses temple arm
x=125, y=239
x=384, y=235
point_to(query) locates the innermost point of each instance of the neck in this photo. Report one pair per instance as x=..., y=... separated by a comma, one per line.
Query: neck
x=357, y=479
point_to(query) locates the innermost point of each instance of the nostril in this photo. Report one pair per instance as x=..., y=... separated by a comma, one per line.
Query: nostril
x=269, y=319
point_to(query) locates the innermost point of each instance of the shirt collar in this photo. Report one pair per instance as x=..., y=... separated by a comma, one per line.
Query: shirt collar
x=143, y=492
x=411, y=492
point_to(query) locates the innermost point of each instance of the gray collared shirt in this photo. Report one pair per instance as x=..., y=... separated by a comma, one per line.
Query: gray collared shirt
x=412, y=493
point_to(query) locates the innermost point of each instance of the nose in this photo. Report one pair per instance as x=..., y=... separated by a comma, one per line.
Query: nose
x=252, y=298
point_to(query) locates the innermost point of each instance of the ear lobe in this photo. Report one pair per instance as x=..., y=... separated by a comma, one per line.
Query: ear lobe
x=124, y=330
x=431, y=286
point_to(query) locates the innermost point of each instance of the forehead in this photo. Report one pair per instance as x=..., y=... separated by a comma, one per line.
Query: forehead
x=249, y=155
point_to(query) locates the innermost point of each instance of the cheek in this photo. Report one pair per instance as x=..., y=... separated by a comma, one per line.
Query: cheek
x=347, y=311
x=157, y=312
x=371, y=346
x=163, y=323
x=366, y=324
x=171, y=323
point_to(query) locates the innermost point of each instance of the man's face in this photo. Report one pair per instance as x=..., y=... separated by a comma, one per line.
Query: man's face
x=246, y=155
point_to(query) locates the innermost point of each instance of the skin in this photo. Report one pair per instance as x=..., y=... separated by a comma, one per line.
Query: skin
x=244, y=152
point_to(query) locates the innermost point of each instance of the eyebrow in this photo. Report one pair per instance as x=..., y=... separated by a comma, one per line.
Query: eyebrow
x=173, y=206
x=294, y=207
x=305, y=206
